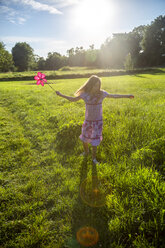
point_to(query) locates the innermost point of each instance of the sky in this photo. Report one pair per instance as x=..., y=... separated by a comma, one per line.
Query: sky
x=59, y=25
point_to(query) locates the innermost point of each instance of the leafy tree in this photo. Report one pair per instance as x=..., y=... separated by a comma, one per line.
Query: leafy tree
x=79, y=56
x=114, y=50
x=140, y=31
x=70, y=54
x=23, y=56
x=153, y=42
x=139, y=58
x=76, y=57
x=6, y=60
x=40, y=63
x=91, y=56
x=55, y=61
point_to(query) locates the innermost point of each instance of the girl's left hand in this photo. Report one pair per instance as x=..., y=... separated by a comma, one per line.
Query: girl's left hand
x=58, y=93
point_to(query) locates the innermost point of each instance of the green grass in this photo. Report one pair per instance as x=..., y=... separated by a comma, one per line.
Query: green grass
x=41, y=170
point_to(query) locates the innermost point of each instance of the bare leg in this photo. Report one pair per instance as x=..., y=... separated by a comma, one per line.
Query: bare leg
x=94, y=150
x=86, y=147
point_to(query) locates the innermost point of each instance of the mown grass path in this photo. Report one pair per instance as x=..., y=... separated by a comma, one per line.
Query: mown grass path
x=42, y=172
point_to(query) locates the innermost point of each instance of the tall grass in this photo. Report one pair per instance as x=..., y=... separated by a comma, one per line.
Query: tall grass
x=41, y=170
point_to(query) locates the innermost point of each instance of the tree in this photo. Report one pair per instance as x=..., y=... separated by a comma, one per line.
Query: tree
x=79, y=56
x=55, y=61
x=76, y=57
x=153, y=42
x=41, y=63
x=91, y=56
x=70, y=54
x=23, y=56
x=139, y=58
x=6, y=60
x=114, y=50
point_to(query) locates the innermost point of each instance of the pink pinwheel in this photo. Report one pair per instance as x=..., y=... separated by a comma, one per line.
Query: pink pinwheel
x=40, y=78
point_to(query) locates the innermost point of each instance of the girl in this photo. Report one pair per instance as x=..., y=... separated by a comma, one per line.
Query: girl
x=93, y=96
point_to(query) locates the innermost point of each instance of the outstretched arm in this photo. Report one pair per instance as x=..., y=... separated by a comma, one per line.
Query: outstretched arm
x=119, y=96
x=69, y=98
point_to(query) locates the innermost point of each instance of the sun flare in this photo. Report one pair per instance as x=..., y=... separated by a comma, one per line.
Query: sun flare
x=93, y=15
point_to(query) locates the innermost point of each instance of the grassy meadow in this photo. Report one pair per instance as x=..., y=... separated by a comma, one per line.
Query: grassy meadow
x=42, y=170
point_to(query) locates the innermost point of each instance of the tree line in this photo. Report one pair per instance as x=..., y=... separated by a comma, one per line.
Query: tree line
x=142, y=47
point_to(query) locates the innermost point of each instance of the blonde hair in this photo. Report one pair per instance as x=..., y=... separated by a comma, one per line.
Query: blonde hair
x=88, y=86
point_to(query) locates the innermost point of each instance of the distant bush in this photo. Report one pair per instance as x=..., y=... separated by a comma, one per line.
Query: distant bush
x=65, y=68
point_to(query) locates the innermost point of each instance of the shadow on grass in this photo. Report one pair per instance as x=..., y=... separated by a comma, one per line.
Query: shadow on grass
x=154, y=71
x=84, y=215
x=67, y=137
x=140, y=76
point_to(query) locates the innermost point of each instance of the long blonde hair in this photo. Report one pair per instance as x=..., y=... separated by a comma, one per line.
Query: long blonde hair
x=88, y=86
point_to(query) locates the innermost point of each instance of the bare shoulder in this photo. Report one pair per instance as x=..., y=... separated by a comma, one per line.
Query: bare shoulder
x=105, y=93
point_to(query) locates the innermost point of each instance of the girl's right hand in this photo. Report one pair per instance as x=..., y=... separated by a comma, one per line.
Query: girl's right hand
x=58, y=93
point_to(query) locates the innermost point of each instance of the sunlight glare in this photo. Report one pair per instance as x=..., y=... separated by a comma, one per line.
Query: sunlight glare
x=93, y=15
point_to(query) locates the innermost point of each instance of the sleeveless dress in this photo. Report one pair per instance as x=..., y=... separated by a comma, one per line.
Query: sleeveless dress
x=93, y=124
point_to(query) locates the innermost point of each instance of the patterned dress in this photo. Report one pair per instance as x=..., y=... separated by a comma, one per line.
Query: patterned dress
x=93, y=124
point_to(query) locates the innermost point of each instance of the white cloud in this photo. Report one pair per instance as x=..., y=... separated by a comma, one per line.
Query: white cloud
x=61, y=3
x=11, y=15
x=4, y=10
x=39, y=6
x=21, y=20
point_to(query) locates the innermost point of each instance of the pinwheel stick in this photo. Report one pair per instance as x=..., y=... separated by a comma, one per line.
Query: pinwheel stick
x=51, y=87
